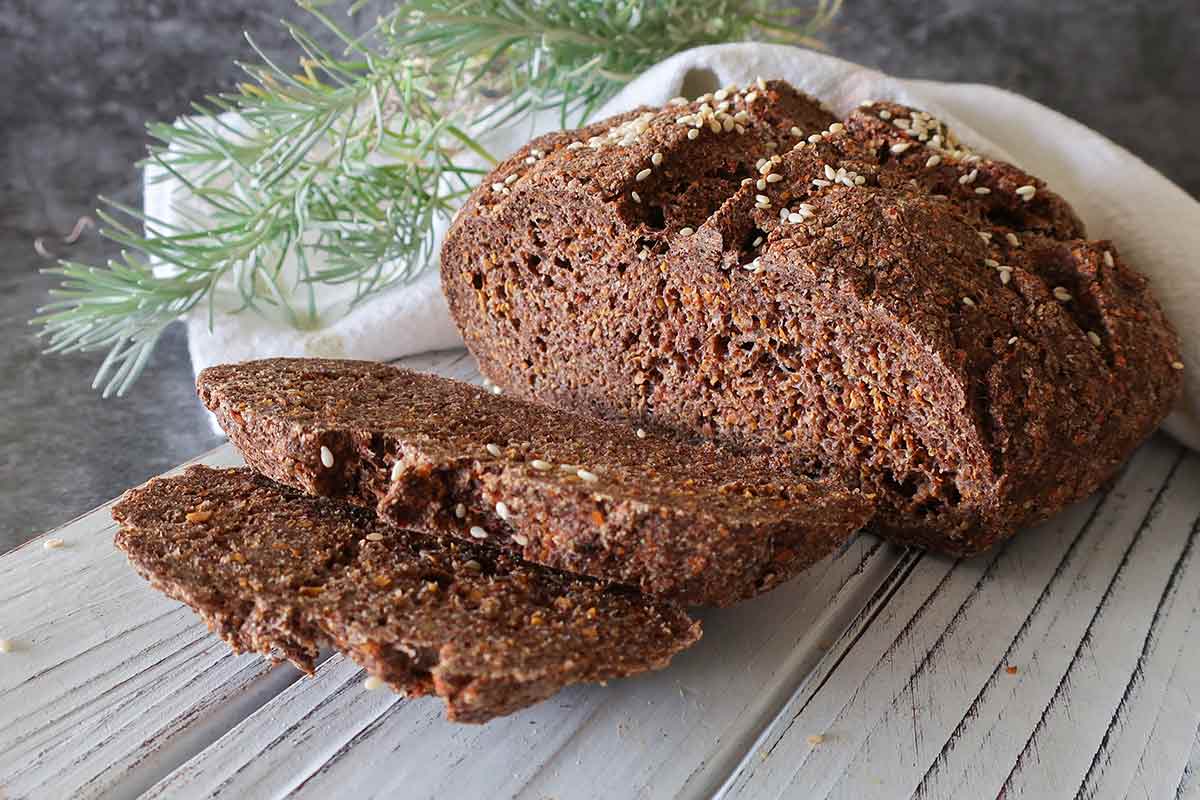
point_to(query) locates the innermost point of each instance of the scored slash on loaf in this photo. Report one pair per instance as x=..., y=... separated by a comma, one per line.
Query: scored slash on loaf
x=274, y=571
x=688, y=521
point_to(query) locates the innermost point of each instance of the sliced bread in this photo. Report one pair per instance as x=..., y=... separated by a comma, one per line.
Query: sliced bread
x=683, y=520
x=274, y=571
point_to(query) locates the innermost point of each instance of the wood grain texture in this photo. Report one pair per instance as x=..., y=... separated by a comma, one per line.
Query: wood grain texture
x=675, y=732
x=1057, y=666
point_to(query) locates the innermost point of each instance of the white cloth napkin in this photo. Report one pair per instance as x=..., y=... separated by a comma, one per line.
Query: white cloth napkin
x=1154, y=223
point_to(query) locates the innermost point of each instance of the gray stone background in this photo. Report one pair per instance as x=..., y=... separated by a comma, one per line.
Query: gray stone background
x=80, y=80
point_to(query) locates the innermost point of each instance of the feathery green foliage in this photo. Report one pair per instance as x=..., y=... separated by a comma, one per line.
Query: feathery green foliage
x=359, y=152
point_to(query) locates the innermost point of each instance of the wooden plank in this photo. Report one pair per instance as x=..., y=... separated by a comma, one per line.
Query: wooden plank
x=110, y=685
x=924, y=702
x=679, y=731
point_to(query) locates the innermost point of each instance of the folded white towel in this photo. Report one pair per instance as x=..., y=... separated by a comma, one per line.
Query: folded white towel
x=1154, y=223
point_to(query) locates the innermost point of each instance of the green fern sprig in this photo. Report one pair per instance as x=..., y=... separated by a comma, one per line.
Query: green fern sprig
x=359, y=153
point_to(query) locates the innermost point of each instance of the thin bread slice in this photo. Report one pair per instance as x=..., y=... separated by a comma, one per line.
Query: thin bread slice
x=687, y=521
x=272, y=570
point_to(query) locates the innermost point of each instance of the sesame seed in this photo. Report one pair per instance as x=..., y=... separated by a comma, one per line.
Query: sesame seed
x=1060, y=293
x=478, y=532
x=460, y=511
x=494, y=449
x=656, y=159
x=814, y=138
x=496, y=390
x=1176, y=365
x=774, y=177
x=641, y=434
x=739, y=129
x=866, y=104
x=762, y=198
x=985, y=235
x=747, y=181
x=641, y=176
x=53, y=544
x=637, y=198
x=1094, y=338
x=837, y=127
x=752, y=266
x=575, y=145
x=686, y=231
x=520, y=538
x=900, y=147
x=530, y=160
x=982, y=190
x=374, y=537
x=6, y=645
x=885, y=114
x=372, y=684
x=541, y=465
x=1108, y=259
x=677, y=101
x=720, y=94
x=1013, y=340
x=859, y=180
x=511, y=179
x=991, y=262
x=794, y=218
x=968, y=302
x=760, y=83
x=750, y=98
x=757, y=241
x=821, y=183
x=933, y=161
x=502, y=511
x=1012, y=239
x=397, y=471
x=585, y=475
x=693, y=134
x=1005, y=276
x=760, y=184
x=498, y=187
x=1027, y=192
x=326, y=457
x=741, y=117
x=969, y=177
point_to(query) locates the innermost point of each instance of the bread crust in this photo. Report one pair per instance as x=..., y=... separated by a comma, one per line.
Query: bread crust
x=876, y=302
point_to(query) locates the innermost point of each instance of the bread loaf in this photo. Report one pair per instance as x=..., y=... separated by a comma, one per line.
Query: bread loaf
x=274, y=571
x=687, y=521
x=863, y=297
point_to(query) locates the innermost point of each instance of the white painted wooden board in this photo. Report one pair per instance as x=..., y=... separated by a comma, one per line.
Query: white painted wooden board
x=899, y=659
x=1065, y=664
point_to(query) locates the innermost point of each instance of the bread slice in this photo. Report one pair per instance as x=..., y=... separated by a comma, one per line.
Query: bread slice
x=272, y=570
x=687, y=521
x=930, y=325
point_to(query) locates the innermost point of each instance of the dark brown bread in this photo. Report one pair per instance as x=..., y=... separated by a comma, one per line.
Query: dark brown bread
x=270, y=569
x=687, y=521
x=874, y=300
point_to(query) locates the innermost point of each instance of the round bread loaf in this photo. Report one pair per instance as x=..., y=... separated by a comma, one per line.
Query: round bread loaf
x=865, y=297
